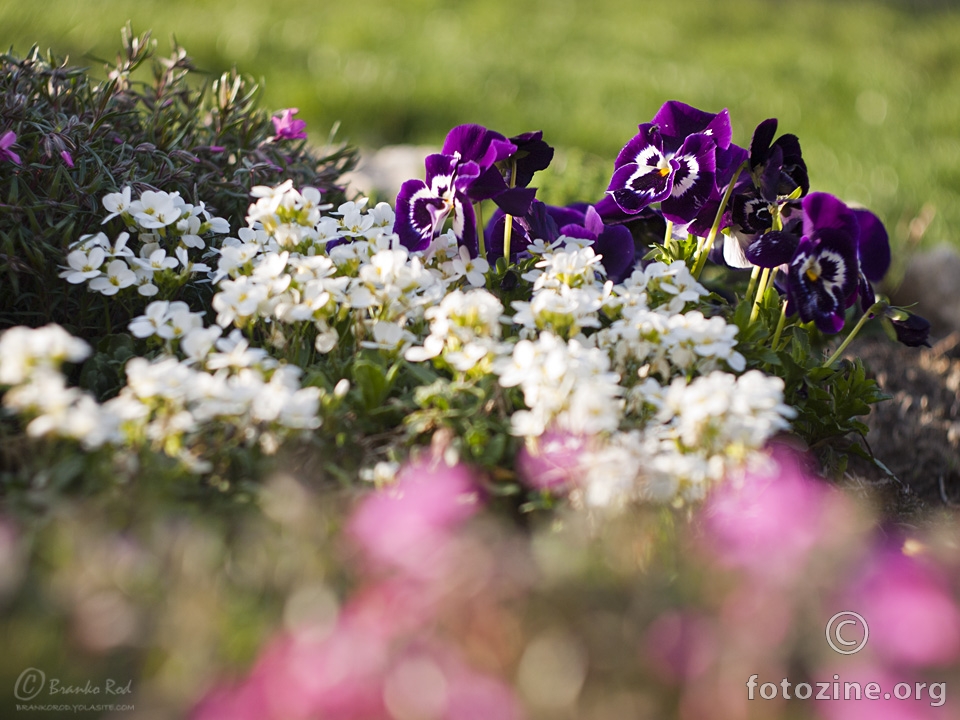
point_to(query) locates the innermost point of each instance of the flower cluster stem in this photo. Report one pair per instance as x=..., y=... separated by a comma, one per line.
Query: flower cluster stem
x=868, y=315
x=780, y=323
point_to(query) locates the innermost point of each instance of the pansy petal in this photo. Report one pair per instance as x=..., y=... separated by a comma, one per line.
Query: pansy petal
x=532, y=154
x=477, y=143
x=418, y=215
x=693, y=179
x=677, y=121
x=772, y=249
x=760, y=143
x=488, y=184
x=617, y=251
x=873, y=245
x=822, y=210
x=516, y=201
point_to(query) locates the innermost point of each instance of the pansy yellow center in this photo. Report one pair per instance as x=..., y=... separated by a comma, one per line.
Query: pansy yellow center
x=813, y=272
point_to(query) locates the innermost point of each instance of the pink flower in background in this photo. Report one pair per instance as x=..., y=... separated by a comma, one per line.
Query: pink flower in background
x=67, y=158
x=768, y=523
x=908, y=606
x=409, y=525
x=6, y=140
x=680, y=646
x=287, y=128
x=551, y=461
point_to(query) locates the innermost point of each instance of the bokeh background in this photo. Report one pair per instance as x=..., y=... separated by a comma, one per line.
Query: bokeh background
x=871, y=88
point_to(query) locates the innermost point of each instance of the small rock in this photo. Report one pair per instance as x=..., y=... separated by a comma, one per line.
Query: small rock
x=931, y=281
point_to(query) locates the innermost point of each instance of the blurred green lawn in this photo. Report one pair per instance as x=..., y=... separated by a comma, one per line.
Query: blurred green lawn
x=871, y=88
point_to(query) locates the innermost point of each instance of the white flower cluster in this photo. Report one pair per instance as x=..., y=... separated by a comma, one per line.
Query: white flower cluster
x=465, y=329
x=636, y=366
x=565, y=385
x=295, y=266
x=166, y=229
x=702, y=431
x=30, y=361
x=223, y=383
x=653, y=336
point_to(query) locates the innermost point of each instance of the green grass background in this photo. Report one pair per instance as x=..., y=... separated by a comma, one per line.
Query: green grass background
x=871, y=88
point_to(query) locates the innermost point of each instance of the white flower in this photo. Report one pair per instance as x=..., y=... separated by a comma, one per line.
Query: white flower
x=118, y=276
x=24, y=350
x=155, y=315
x=83, y=265
x=473, y=269
x=156, y=209
x=116, y=203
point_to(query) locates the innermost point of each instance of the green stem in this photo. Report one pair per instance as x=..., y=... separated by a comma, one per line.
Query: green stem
x=780, y=323
x=715, y=228
x=507, y=235
x=761, y=289
x=752, y=285
x=869, y=314
x=478, y=211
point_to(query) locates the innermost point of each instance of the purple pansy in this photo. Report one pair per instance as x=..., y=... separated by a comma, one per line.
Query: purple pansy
x=673, y=161
x=423, y=206
x=824, y=271
x=6, y=141
x=777, y=177
x=287, y=128
x=489, y=150
x=613, y=243
x=873, y=252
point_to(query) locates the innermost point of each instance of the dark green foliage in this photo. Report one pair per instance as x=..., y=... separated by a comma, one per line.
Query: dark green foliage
x=153, y=124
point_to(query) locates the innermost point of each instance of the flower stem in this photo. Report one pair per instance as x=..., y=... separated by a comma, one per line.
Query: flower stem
x=752, y=285
x=478, y=211
x=507, y=235
x=761, y=289
x=780, y=323
x=868, y=315
x=715, y=228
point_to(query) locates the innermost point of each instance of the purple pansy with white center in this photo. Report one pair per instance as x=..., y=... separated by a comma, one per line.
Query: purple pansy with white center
x=824, y=271
x=424, y=206
x=671, y=161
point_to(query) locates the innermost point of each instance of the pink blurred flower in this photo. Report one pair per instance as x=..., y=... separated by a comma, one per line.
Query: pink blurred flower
x=908, y=606
x=768, y=523
x=6, y=141
x=551, y=461
x=287, y=128
x=67, y=158
x=409, y=525
x=680, y=646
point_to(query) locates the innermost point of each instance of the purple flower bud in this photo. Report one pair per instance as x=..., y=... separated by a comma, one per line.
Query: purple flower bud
x=287, y=128
x=6, y=140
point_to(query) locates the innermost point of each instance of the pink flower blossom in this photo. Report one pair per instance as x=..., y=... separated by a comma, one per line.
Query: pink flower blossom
x=287, y=128
x=906, y=601
x=67, y=158
x=769, y=523
x=552, y=461
x=408, y=525
x=6, y=140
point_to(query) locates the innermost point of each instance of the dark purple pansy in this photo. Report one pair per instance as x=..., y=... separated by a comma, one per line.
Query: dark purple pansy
x=911, y=330
x=536, y=224
x=613, y=243
x=532, y=155
x=489, y=150
x=729, y=161
x=780, y=160
x=824, y=271
x=423, y=207
x=873, y=252
x=673, y=161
